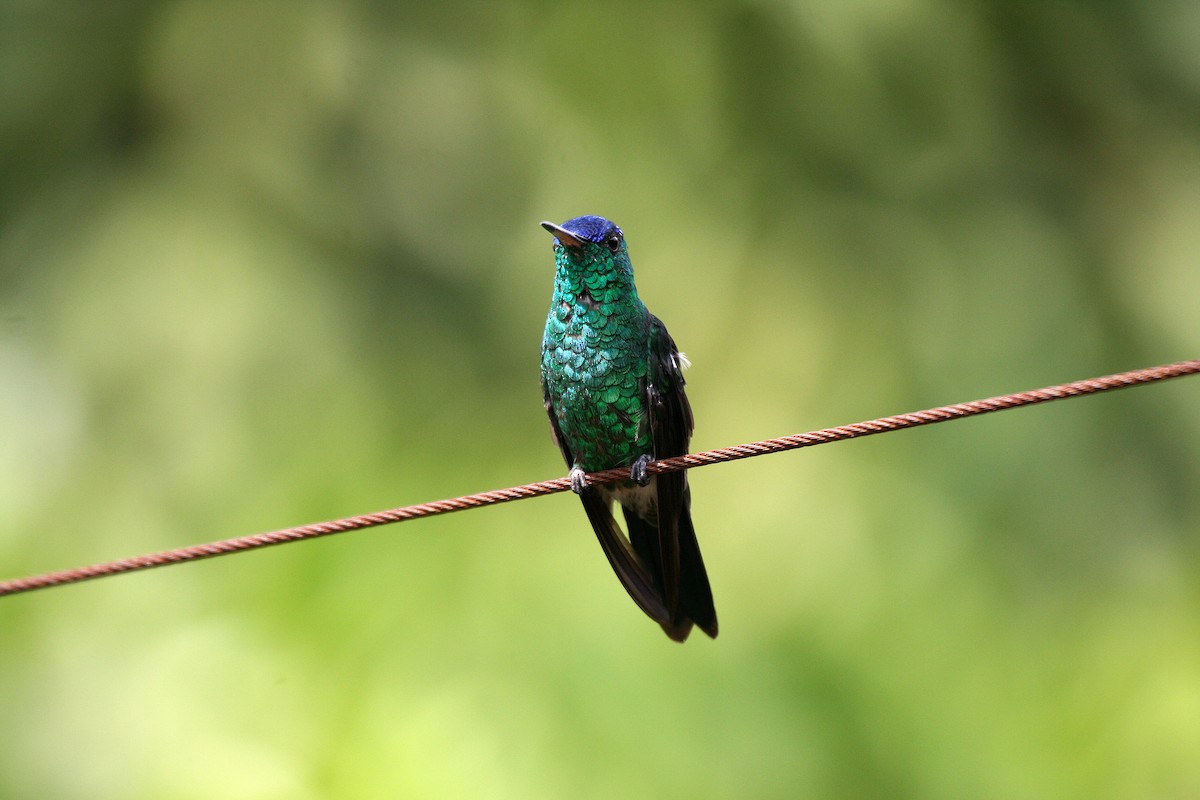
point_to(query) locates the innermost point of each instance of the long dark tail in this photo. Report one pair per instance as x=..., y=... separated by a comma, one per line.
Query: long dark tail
x=693, y=601
x=640, y=579
x=695, y=595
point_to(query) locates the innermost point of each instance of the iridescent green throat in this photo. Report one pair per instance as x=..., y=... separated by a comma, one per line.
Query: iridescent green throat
x=595, y=357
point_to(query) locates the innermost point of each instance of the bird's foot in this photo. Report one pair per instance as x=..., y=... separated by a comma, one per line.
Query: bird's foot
x=638, y=472
x=578, y=480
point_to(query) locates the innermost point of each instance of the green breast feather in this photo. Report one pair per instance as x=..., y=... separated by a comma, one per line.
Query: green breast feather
x=594, y=364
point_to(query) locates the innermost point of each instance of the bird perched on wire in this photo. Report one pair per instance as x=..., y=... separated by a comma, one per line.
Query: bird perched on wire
x=612, y=381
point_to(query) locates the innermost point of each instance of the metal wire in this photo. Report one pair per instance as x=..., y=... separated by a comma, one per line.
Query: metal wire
x=825, y=436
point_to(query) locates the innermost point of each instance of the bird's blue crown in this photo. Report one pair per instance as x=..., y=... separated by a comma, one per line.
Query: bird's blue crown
x=592, y=228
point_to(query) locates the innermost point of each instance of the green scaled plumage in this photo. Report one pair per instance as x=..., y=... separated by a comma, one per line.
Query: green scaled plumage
x=613, y=389
x=589, y=362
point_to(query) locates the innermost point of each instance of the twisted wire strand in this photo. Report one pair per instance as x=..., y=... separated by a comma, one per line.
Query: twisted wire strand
x=702, y=459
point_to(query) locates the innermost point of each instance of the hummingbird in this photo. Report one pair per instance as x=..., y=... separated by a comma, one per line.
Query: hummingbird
x=612, y=382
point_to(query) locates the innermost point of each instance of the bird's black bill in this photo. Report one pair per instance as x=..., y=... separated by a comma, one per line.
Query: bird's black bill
x=564, y=236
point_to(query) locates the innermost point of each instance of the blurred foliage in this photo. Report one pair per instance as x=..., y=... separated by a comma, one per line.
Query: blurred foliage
x=268, y=263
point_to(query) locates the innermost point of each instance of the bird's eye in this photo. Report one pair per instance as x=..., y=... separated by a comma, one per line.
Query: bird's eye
x=614, y=244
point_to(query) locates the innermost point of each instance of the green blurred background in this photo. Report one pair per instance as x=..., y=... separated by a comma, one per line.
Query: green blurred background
x=269, y=263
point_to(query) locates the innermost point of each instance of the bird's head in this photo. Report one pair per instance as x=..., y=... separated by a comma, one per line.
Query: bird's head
x=589, y=240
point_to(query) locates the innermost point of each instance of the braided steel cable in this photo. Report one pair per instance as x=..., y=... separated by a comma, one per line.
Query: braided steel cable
x=825, y=436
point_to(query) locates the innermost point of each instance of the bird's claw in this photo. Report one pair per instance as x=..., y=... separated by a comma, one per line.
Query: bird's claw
x=578, y=480
x=638, y=472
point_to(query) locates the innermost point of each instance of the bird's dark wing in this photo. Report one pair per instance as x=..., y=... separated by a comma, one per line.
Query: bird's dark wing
x=616, y=547
x=685, y=588
x=555, y=433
